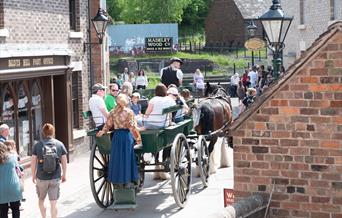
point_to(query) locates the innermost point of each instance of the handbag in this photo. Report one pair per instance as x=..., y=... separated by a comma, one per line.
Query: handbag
x=20, y=175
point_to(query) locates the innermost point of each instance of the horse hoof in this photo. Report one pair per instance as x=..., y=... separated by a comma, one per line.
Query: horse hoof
x=156, y=175
x=164, y=176
x=197, y=171
x=212, y=171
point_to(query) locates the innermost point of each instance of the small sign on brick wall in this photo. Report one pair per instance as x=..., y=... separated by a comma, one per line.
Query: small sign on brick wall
x=228, y=196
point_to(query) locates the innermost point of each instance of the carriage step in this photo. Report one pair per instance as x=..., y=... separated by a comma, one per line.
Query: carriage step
x=124, y=198
x=122, y=207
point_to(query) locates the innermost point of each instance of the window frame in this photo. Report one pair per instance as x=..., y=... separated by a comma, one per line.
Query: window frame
x=301, y=12
x=73, y=15
x=332, y=9
x=75, y=97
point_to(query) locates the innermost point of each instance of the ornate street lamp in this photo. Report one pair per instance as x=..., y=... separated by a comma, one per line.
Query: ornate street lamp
x=251, y=29
x=276, y=25
x=100, y=22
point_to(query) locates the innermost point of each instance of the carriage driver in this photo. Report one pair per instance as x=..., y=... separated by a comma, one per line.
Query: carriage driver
x=172, y=74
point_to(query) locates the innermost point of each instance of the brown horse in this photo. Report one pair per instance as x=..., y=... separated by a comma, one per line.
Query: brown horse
x=212, y=117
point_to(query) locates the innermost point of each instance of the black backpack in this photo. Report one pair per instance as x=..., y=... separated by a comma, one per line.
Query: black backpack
x=50, y=157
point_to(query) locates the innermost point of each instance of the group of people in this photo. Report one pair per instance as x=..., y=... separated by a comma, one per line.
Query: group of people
x=48, y=167
x=252, y=83
x=138, y=80
x=124, y=117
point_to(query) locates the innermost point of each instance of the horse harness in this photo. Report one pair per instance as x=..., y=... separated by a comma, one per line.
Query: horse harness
x=224, y=128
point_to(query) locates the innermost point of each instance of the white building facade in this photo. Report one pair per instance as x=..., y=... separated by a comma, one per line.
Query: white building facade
x=311, y=19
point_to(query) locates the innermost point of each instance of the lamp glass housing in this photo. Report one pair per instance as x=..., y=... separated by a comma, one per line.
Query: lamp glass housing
x=100, y=22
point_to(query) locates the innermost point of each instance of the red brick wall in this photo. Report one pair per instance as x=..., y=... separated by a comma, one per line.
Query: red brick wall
x=95, y=48
x=224, y=24
x=295, y=140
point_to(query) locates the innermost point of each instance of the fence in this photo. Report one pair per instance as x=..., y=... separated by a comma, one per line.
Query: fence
x=238, y=52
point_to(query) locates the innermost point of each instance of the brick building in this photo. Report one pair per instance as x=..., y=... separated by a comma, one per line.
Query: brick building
x=292, y=136
x=227, y=21
x=311, y=18
x=45, y=75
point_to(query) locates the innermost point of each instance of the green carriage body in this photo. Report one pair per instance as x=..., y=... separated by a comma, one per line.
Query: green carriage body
x=153, y=140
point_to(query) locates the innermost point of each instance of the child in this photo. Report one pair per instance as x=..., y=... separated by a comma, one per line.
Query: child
x=136, y=108
x=12, y=148
x=119, y=81
x=186, y=94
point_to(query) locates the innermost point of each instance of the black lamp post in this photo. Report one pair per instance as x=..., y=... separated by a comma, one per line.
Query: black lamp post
x=251, y=29
x=100, y=22
x=276, y=25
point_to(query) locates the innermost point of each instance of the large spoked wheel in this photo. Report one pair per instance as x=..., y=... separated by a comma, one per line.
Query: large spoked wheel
x=180, y=170
x=203, y=160
x=101, y=188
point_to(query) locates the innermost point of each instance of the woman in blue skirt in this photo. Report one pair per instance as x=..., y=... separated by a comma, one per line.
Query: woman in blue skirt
x=123, y=168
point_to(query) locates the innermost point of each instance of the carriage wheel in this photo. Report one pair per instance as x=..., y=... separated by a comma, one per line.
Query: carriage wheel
x=180, y=170
x=101, y=188
x=203, y=160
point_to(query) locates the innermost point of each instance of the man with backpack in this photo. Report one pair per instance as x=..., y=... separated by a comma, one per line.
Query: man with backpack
x=47, y=172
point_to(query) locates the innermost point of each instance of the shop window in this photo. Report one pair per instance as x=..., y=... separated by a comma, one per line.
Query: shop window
x=8, y=109
x=75, y=98
x=23, y=120
x=37, y=115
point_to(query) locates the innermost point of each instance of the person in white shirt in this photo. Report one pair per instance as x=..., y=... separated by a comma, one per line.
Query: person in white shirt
x=125, y=75
x=154, y=119
x=199, y=82
x=179, y=115
x=253, y=75
x=141, y=81
x=97, y=105
x=234, y=82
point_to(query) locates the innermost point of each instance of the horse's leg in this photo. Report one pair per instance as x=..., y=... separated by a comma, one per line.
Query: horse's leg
x=212, y=159
x=166, y=157
x=224, y=154
x=156, y=175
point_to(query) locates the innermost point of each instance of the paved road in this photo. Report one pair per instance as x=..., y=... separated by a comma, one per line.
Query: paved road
x=155, y=200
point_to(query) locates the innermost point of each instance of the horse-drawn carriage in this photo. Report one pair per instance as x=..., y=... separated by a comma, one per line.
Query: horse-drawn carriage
x=185, y=146
x=180, y=138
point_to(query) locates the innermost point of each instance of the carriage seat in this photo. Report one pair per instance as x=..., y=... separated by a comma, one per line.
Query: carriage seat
x=155, y=139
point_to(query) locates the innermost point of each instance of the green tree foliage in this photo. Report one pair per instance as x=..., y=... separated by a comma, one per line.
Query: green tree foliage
x=196, y=12
x=189, y=12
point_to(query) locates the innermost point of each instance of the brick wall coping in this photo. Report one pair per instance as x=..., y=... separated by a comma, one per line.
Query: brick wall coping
x=292, y=70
